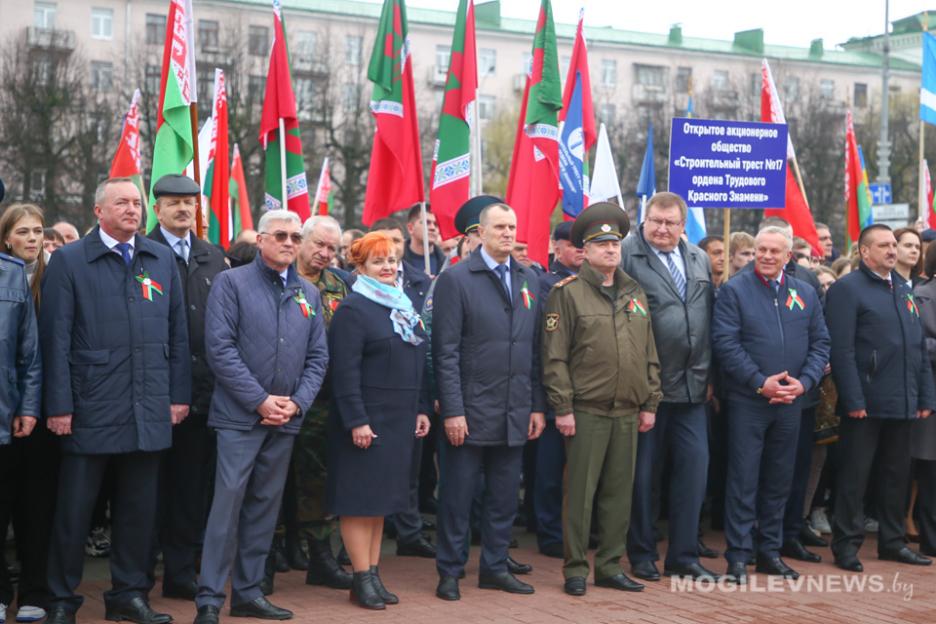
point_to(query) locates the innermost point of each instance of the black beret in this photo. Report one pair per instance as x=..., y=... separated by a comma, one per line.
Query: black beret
x=600, y=222
x=175, y=185
x=563, y=231
x=468, y=216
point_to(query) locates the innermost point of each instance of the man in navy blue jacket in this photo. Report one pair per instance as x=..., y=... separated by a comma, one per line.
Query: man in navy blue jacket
x=882, y=373
x=770, y=339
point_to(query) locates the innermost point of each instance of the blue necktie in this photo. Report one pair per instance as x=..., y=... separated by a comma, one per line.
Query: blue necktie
x=182, y=249
x=501, y=270
x=124, y=249
x=678, y=280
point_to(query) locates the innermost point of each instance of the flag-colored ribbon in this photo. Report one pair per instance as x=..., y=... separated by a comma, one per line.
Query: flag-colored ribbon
x=148, y=285
x=307, y=310
x=912, y=306
x=527, y=296
x=794, y=300
x=634, y=305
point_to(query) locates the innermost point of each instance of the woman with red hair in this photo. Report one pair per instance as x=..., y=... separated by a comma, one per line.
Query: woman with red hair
x=377, y=346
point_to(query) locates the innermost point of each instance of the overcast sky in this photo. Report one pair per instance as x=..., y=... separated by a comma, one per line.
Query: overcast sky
x=791, y=22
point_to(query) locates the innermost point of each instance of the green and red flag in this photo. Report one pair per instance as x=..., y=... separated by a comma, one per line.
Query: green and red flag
x=323, y=191
x=533, y=188
x=450, y=179
x=395, y=178
x=173, y=148
x=857, y=194
x=240, y=200
x=278, y=123
x=217, y=182
x=127, y=162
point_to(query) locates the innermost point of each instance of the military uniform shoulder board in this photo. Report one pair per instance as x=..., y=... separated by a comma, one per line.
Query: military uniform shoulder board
x=565, y=281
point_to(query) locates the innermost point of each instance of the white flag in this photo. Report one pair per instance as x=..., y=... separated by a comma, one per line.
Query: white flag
x=604, y=180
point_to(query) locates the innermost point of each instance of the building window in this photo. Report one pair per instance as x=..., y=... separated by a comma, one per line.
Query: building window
x=353, y=45
x=486, y=108
x=791, y=88
x=256, y=88
x=608, y=72
x=351, y=96
x=152, y=79
x=102, y=23
x=564, y=62
x=208, y=35
x=258, y=40
x=683, y=79
x=720, y=80
x=527, y=63
x=43, y=71
x=756, y=81
x=487, y=62
x=102, y=75
x=860, y=98
x=441, y=60
x=607, y=113
x=305, y=44
x=306, y=97
x=155, y=28
x=37, y=183
x=650, y=75
x=205, y=88
x=44, y=15
x=827, y=88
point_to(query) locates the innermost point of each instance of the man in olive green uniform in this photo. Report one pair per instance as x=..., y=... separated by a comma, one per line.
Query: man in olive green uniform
x=601, y=375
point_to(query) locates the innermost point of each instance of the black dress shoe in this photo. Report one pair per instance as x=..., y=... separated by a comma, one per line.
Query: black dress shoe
x=385, y=595
x=620, y=581
x=646, y=570
x=808, y=538
x=553, y=550
x=695, y=571
x=135, y=610
x=179, y=591
x=575, y=586
x=324, y=568
x=515, y=567
x=736, y=573
x=905, y=555
x=269, y=574
x=505, y=582
x=208, y=614
x=448, y=588
x=60, y=615
x=418, y=548
x=705, y=552
x=794, y=549
x=849, y=563
x=775, y=566
x=513, y=543
x=364, y=592
x=262, y=609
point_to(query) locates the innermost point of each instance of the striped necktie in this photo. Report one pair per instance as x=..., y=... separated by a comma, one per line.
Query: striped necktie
x=678, y=280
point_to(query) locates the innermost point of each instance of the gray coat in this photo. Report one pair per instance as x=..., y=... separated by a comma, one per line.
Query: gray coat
x=682, y=330
x=259, y=343
x=923, y=440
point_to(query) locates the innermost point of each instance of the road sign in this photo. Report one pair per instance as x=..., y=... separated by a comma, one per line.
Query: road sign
x=880, y=193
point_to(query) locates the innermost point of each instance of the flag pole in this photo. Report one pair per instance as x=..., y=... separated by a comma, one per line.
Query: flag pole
x=476, y=144
x=726, y=236
x=282, y=142
x=425, y=229
x=921, y=192
x=199, y=217
x=318, y=187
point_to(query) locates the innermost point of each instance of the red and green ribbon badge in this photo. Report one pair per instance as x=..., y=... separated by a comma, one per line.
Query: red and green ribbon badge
x=793, y=300
x=912, y=306
x=528, y=298
x=634, y=305
x=307, y=310
x=148, y=285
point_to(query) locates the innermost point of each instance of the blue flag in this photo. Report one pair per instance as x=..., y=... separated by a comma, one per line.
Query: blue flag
x=928, y=80
x=572, y=175
x=646, y=186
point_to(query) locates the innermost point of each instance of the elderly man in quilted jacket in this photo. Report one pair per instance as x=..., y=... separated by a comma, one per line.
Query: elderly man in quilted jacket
x=265, y=338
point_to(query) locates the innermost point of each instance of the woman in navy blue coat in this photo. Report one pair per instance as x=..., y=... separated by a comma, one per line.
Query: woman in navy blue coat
x=377, y=346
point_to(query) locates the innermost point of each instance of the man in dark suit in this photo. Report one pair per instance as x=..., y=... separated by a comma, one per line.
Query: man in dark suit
x=770, y=338
x=485, y=347
x=884, y=381
x=187, y=466
x=117, y=377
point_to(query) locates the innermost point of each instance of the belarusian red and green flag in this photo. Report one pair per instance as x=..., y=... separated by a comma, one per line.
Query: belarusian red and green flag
x=173, y=149
x=533, y=187
x=217, y=182
x=127, y=162
x=395, y=179
x=857, y=194
x=323, y=191
x=280, y=118
x=240, y=200
x=450, y=179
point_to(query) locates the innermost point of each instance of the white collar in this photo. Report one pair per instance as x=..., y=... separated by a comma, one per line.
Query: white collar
x=173, y=240
x=491, y=262
x=110, y=242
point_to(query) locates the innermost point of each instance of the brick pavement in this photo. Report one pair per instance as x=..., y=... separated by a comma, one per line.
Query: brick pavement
x=414, y=580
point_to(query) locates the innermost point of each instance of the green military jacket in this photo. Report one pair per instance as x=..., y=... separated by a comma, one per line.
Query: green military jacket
x=599, y=355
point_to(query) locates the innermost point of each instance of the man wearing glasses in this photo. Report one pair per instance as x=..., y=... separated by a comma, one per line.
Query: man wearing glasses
x=265, y=338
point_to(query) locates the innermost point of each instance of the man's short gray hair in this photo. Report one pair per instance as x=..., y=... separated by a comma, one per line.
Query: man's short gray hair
x=482, y=218
x=277, y=215
x=776, y=229
x=101, y=191
x=325, y=221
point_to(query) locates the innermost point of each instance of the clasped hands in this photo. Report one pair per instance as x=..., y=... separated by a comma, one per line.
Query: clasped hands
x=276, y=410
x=782, y=388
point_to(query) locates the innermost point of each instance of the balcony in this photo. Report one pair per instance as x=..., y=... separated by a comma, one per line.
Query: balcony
x=302, y=64
x=648, y=94
x=437, y=76
x=50, y=39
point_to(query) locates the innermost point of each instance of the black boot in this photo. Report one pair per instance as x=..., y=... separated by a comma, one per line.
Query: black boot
x=279, y=552
x=269, y=571
x=295, y=554
x=323, y=569
x=385, y=595
x=364, y=592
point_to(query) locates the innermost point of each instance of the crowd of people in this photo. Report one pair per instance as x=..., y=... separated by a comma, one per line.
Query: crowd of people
x=290, y=401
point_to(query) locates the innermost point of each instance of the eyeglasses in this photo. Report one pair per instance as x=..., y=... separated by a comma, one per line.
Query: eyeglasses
x=657, y=222
x=280, y=236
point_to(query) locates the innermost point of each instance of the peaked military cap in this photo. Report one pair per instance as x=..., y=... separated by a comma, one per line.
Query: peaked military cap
x=175, y=185
x=468, y=217
x=563, y=231
x=600, y=222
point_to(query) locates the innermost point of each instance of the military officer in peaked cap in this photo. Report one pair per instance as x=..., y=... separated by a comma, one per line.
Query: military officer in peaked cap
x=602, y=377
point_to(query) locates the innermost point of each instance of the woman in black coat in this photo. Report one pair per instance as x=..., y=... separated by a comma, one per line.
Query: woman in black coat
x=377, y=346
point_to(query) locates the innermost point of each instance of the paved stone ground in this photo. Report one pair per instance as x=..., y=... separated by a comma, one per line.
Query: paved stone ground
x=893, y=594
